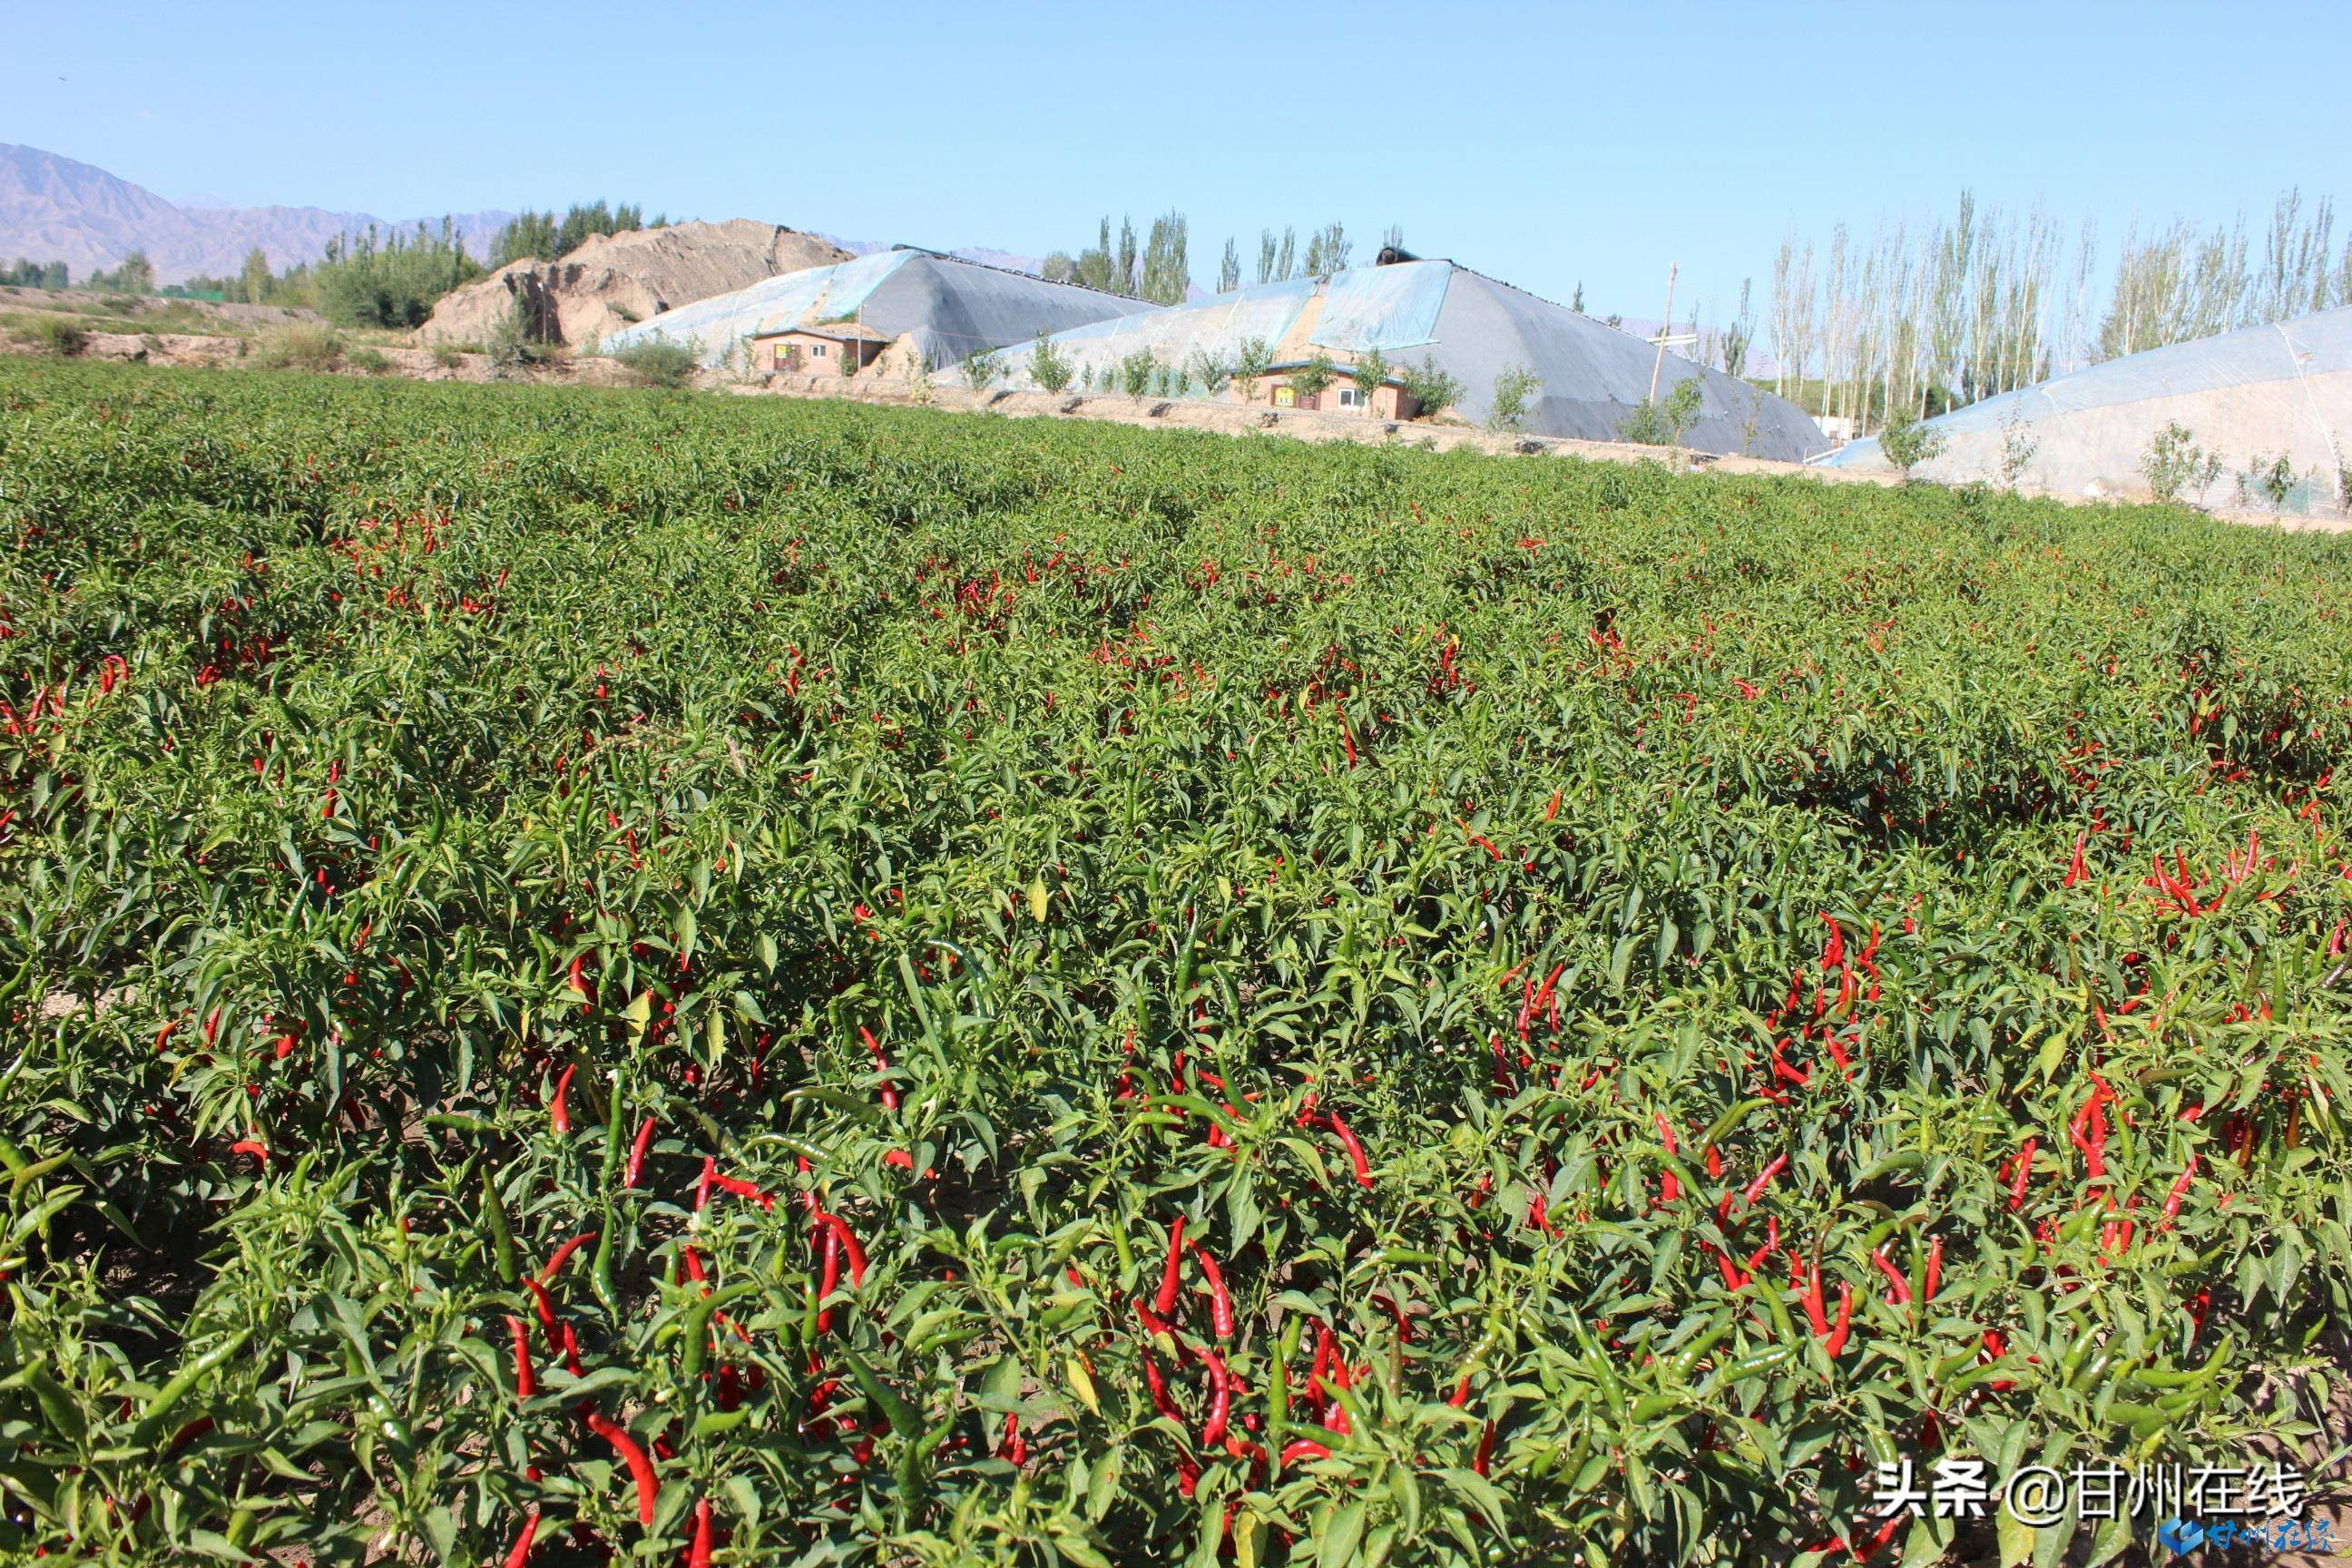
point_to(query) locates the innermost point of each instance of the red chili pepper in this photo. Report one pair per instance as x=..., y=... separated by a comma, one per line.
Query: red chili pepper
x=1340, y=1131
x=855, y=1253
x=1220, y=1400
x=645, y=1139
x=1670, y=1186
x=1162, y=1401
x=1322, y=1363
x=698, y=1554
x=526, y=1384
x=556, y=1111
x=2179, y=1191
x=1844, y=1320
x=830, y=1256
x=2075, y=871
x=710, y=1173
x=2024, y=1171
x=1552, y=810
x=1901, y=1293
x=881, y=1065
x=1486, y=1455
x=640, y=1468
x=1764, y=1179
x=1153, y=1323
x=1816, y=1312
x=1220, y=1304
x=1460, y=1395
x=1714, y=1163
x=546, y=1308
x=1303, y=1448
x=519, y=1555
x=562, y=1254
x=571, y=1353
x=1935, y=1268
x=743, y=1189
x=1016, y=1451
x=1172, y=1272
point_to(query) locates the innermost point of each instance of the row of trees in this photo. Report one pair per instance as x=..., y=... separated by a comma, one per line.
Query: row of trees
x=1929, y=318
x=26, y=273
x=366, y=280
x=1157, y=269
x=547, y=236
x=378, y=279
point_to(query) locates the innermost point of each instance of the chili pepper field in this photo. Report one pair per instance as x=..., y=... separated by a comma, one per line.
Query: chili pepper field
x=632, y=977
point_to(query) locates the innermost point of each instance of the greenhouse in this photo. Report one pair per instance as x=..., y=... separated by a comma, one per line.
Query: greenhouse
x=2252, y=418
x=1424, y=314
x=945, y=308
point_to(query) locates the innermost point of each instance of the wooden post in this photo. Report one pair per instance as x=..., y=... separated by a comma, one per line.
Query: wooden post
x=1664, y=327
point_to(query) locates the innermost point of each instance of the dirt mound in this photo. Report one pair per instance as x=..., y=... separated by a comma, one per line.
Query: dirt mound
x=618, y=278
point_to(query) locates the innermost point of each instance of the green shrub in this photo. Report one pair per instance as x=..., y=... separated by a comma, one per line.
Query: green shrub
x=980, y=370
x=1048, y=366
x=1369, y=372
x=1906, y=441
x=1250, y=362
x=448, y=356
x=1310, y=379
x=1434, y=390
x=299, y=345
x=1134, y=373
x=372, y=361
x=1507, y=405
x=57, y=335
x=1664, y=424
x=2271, y=478
x=2176, y=465
x=1211, y=371
x=658, y=362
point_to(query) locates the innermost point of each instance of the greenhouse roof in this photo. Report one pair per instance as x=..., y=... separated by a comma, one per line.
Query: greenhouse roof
x=953, y=308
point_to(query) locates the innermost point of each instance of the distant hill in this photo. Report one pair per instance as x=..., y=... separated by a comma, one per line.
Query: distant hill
x=53, y=208
x=614, y=280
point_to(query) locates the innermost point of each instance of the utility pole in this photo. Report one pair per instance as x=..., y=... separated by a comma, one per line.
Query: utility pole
x=1674, y=269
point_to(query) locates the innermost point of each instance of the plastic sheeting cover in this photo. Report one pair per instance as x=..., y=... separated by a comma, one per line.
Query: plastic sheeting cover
x=2284, y=389
x=1383, y=308
x=1592, y=376
x=952, y=308
x=1216, y=327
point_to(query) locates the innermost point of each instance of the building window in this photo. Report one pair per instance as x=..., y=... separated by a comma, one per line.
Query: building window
x=817, y=350
x=1350, y=397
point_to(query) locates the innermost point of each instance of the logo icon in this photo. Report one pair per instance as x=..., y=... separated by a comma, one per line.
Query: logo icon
x=2178, y=1536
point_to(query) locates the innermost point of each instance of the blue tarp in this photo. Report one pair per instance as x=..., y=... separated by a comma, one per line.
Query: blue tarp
x=1383, y=308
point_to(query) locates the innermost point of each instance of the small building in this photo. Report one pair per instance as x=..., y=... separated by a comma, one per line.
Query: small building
x=1277, y=388
x=834, y=348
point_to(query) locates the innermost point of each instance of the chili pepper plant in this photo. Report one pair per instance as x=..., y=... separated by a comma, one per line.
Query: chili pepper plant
x=593, y=978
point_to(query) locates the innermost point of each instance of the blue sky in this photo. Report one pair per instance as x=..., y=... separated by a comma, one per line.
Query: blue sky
x=1544, y=144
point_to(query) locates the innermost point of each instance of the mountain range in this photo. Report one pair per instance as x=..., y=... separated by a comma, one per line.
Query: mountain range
x=54, y=208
